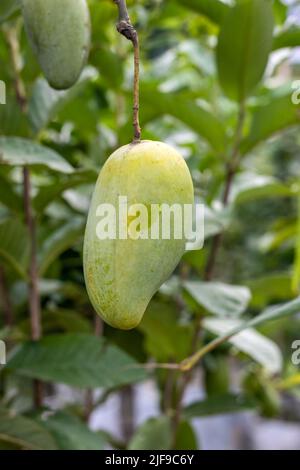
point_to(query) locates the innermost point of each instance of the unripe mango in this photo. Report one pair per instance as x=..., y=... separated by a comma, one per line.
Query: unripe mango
x=59, y=33
x=122, y=275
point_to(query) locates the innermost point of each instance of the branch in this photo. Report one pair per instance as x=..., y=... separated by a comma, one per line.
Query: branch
x=231, y=169
x=34, y=297
x=6, y=301
x=125, y=27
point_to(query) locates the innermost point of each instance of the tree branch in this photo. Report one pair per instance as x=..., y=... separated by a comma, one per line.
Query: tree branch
x=231, y=169
x=34, y=297
x=125, y=27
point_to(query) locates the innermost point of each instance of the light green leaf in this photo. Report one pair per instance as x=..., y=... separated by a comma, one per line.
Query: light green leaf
x=289, y=37
x=215, y=10
x=182, y=107
x=250, y=186
x=244, y=45
x=79, y=360
x=72, y=434
x=59, y=241
x=154, y=434
x=218, y=405
x=45, y=102
x=270, y=288
x=276, y=115
x=259, y=347
x=20, y=152
x=296, y=268
x=220, y=299
x=24, y=433
x=14, y=245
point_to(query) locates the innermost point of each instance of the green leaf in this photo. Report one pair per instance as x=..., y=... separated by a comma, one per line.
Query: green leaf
x=59, y=241
x=49, y=193
x=165, y=337
x=24, y=433
x=72, y=434
x=7, y=8
x=250, y=186
x=289, y=37
x=218, y=405
x=270, y=288
x=182, y=107
x=244, y=45
x=14, y=245
x=45, y=102
x=296, y=267
x=65, y=320
x=270, y=314
x=20, y=152
x=220, y=299
x=276, y=115
x=79, y=360
x=215, y=10
x=186, y=438
x=154, y=434
x=259, y=347
x=8, y=195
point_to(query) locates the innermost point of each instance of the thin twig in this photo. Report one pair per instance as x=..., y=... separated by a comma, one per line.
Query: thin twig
x=125, y=27
x=34, y=297
x=6, y=301
x=231, y=169
x=89, y=400
x=11, y=36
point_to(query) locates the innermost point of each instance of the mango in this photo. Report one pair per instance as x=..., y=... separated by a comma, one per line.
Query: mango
x=122, y=274
x=59, y=33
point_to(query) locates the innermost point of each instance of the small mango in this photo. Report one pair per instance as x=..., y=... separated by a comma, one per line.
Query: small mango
x=122, y=273
x=59, y=33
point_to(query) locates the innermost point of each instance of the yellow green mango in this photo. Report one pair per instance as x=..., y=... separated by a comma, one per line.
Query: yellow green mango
x=59, y=33
x=122, y=275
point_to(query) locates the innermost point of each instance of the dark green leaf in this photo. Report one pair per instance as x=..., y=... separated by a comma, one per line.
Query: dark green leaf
x=186, y=438
x=154, y=434
x=244, y=45
x=59, y=241
x=72, y=434
x=80, y=360
x=24, y=433
x=218, y=405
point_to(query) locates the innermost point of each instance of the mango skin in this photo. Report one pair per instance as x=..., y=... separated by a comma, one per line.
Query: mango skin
x=122, y=275
x=59, y=34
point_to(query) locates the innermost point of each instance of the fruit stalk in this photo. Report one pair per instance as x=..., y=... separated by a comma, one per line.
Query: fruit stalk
x=125, y=27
